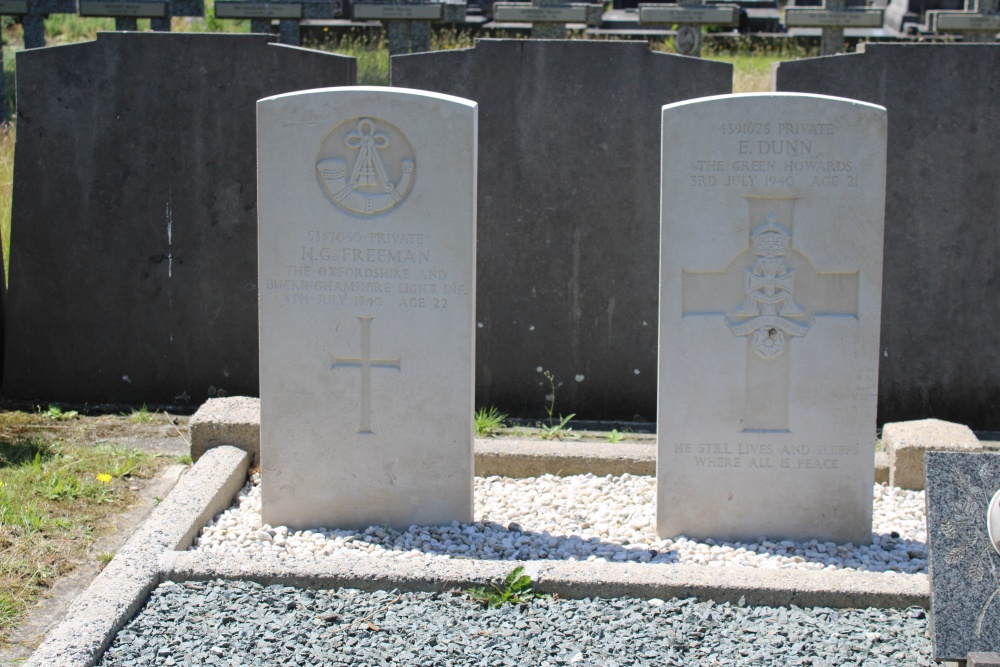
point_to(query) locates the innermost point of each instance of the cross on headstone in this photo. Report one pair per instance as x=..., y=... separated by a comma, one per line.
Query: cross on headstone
x=980, y=24
x=833, y=19
x=366, y=362
x=548, y=18
x=408, y=22
x=126, y=13
x=690, y=15
x=782, y=295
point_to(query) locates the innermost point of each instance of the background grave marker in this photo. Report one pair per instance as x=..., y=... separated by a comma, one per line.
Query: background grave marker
x=942, y=217
x=769, y=314
x=367, y=262
x=552, y=206
x=691, y=14
x=155, y=300
x=408, y=24
x=126, y=12
x=548, y=18
x=833, y=19
x=980, y=24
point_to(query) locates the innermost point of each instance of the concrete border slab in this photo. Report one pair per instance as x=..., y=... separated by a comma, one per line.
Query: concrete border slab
x=122, y=588
x=756, y=586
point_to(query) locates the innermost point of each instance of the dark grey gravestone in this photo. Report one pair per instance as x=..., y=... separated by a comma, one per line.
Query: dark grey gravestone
x=133, y=274
x=940, y=352
x=568, y=216
x=964, y=567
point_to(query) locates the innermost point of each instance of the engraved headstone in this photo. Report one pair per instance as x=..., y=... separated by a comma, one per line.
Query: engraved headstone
x=964, y=566
x=940, y=355
x=770, y=281
x=567, y=216
x=133, y=271
x=367, y=203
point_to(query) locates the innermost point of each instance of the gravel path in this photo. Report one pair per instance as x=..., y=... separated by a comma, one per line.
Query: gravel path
x=240, y=623
x=581, y=517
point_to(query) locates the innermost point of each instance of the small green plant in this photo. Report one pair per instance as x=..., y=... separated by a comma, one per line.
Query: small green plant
x=57, y=413
x=489, y=421
x=516, y=588
x=142, y=415
x=615, y=436
x=185, y=459
x=105, y=557
x=555, y=429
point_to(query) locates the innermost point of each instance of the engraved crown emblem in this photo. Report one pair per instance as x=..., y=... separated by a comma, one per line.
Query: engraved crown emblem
x=770, y=239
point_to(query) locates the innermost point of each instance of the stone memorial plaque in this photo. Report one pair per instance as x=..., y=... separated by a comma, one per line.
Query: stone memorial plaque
x=135, y=9
x=426, y=12
x=709, y=15
x=848, y=18
x=13, y=7
x=535, y=14
x=367, y=200
x=237, y=9
x=964, y=567
x=770, y=287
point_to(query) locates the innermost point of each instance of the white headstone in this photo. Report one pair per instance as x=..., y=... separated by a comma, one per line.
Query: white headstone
x=367, y=205
x=770, y=294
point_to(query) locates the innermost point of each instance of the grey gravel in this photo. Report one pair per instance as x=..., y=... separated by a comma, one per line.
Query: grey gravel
x=242, y=623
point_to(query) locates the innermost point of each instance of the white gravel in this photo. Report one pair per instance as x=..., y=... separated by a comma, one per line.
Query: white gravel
x=582, y=517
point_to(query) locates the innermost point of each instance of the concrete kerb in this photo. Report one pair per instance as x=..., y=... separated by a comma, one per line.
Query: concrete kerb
x=124, y=585
x=235, y=420
x=566, y=579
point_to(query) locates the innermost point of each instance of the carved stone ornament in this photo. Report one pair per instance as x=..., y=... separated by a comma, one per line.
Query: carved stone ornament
x=366, y=166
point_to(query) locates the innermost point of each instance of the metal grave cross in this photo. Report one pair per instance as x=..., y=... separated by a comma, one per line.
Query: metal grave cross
x=548, y=18
x=976, y=25
x=833, y=19
x=289, y=14
x=408, y=22
x=126, y=12
x=690, y=15
x=366, y=363
x=778, y=296
x=32, y=13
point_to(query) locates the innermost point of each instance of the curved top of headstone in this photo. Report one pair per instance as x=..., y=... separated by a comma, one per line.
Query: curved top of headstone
x=792, y=98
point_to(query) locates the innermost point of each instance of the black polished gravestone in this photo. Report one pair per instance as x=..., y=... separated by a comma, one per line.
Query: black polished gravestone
x=964, y=566
x=939, y=354
x=133, y=262
x=568, y=214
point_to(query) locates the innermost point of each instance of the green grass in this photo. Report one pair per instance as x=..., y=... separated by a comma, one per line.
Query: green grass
x=53, y=497
x=489, y=421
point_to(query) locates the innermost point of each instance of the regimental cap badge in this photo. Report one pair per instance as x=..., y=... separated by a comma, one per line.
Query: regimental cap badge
x=770, y=239
x=366, y=166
